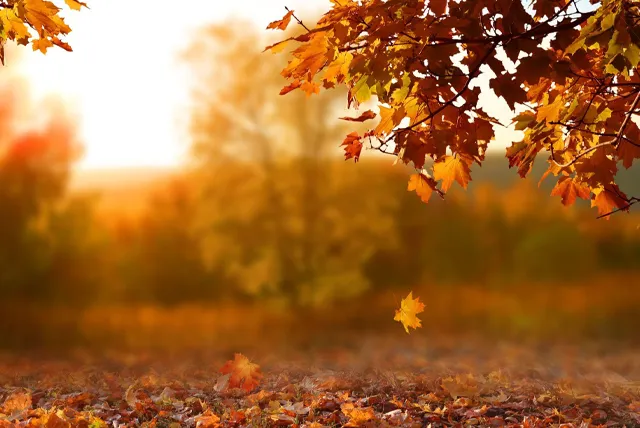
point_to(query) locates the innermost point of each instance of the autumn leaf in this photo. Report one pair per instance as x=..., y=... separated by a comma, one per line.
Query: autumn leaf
x=294, y=85
x=75, y=5
x=452, y=168
x=421, y=185
x=608, y=199
x=281, y=24
x=352, y=147
x=17, y=402
x=244, y=374
x=41, y=45
x=568, y=189
x=310, y=88
x=550, y=112
x=407, y=58
x=438, y=7
x=357, y=416
x=407, y=314
x=369, y=114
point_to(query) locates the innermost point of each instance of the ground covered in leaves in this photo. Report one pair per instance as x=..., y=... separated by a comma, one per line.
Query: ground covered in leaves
x=377, y=382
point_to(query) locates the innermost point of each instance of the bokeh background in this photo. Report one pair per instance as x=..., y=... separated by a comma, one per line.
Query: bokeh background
x=264, y=238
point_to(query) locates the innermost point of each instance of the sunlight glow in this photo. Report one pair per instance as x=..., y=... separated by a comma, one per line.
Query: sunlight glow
x=124, y=78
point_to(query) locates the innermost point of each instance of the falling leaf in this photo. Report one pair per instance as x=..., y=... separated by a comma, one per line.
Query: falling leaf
x=244, y=374
x=407, y=314
x=281, y=24
x=369, y=114
x=352, y=146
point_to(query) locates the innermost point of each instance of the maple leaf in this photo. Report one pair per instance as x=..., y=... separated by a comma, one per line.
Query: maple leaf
x=452, y=168
x=281, y=24
x=551, y=112
x=369, y=114
x=566, y=114
x=310, y=88
x=244, y=373
x=422, y=185
x=357, y=416
x=568, y=189
x=608, y=199
x=17, y=402
x=407, y=314
x=41, y=45
x=352, y=147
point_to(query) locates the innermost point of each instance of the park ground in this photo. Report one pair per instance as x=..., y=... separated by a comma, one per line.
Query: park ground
x=163, y=370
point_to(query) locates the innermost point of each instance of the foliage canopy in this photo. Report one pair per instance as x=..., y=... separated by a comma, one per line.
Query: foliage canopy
x=567, y=69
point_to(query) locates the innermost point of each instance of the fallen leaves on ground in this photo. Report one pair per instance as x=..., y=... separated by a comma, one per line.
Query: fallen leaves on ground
x=522, y=389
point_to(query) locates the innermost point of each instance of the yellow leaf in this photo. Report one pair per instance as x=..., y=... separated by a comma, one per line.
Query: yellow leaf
x=632, y=54
x=551, y=112
x=74, y=4
x=386, y=124
x=407, y=314
x=42, y=45
x=450, y=169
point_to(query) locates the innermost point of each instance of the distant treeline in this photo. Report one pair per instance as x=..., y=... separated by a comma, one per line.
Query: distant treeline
x=296, y=239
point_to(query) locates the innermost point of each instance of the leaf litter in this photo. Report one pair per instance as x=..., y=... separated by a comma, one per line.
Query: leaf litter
x=396, y=385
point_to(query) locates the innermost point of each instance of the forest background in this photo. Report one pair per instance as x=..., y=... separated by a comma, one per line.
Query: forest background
x=268, y=238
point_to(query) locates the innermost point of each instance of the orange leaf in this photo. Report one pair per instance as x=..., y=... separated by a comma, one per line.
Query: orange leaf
x=281, y=24
x=17, y=402
x=310, y=88
x=295, y=85
x=609, y=199
x=353, y=147
x=357, y=416
x=421, y=185
x=244, y=374
x=75, y=5
x=407, y=314
x=369, y=114
x=568, y=189
x=450, y=169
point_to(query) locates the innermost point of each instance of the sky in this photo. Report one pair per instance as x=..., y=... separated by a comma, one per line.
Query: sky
x=123, y=78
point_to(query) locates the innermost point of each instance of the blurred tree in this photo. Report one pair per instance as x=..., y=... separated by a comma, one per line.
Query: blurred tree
x=34, y=169
x=277, y=212
x=169, y=266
